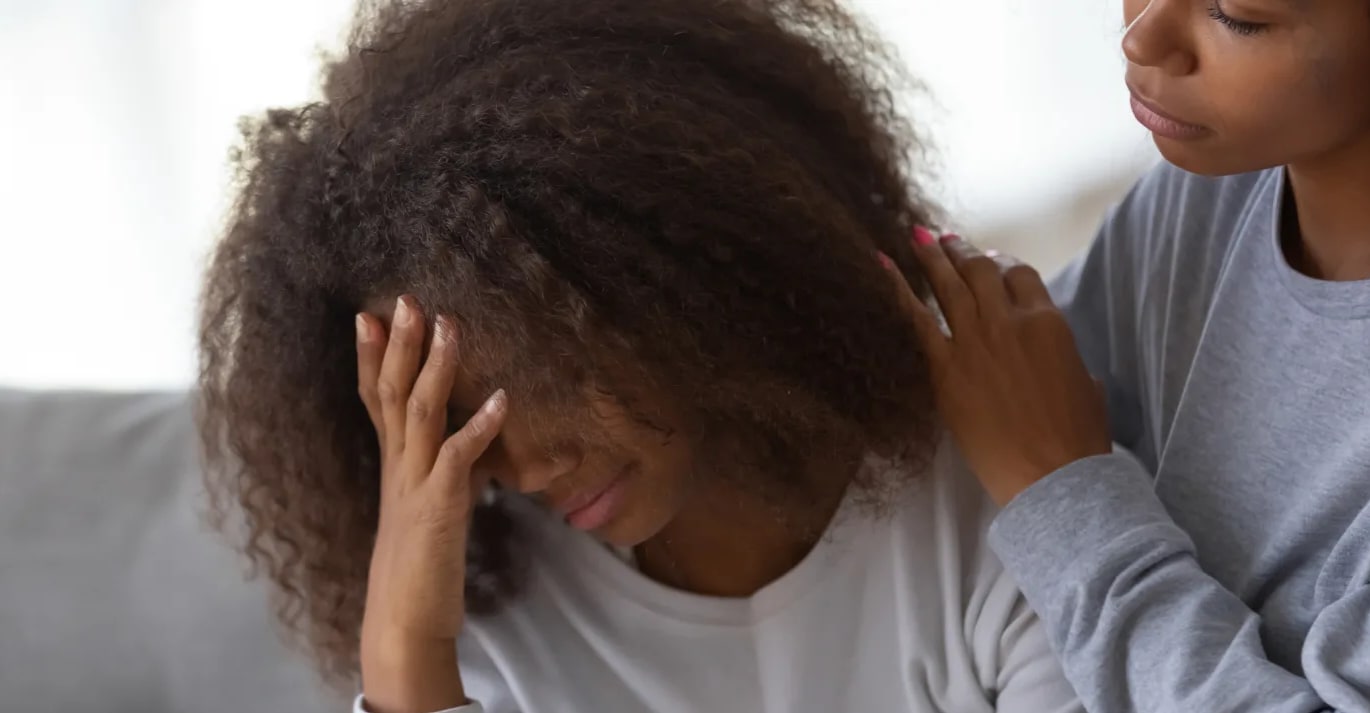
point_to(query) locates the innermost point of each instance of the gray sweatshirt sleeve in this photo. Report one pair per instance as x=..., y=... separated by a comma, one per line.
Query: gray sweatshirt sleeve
x=1138, y=624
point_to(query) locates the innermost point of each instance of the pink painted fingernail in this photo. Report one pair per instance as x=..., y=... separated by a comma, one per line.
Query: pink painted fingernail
x=950, y=238
x=885, y=261
x=923, y=236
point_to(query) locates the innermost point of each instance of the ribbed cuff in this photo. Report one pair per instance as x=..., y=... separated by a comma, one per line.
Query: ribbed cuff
x=359, y=706
x=1066, y=528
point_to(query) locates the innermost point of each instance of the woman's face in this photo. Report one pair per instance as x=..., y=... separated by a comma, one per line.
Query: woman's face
x=607, y=473
x=1249, y=84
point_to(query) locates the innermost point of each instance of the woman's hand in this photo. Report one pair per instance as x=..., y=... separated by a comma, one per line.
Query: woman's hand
x=1009, y=380
x=415, y=592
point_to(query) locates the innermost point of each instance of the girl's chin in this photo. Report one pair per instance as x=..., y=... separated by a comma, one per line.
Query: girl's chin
x=629, y=529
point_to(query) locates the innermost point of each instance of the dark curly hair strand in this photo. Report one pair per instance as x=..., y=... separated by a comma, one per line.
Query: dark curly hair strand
x=675, y=197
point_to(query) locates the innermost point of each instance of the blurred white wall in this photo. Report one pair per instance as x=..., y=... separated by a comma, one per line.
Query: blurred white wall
x=116, y=117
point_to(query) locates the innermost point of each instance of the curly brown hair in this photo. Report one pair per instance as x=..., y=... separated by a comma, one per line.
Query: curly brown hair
x=681, y=197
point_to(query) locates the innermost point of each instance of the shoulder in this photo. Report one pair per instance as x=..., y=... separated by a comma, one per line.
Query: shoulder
x=1160, y=251
x=996, y=634
x=943, y=521
x=1173, y=221
x=1170, y=196
x=944, y=513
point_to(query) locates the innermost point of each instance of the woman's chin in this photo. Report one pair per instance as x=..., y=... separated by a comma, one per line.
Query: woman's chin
x=1208, y=159
x=630, y=529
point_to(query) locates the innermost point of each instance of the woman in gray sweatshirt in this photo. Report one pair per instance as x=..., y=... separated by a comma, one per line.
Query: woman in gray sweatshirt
x=1225, y=309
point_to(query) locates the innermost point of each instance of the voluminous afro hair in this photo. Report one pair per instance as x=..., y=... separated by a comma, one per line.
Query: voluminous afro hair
x=682, y=198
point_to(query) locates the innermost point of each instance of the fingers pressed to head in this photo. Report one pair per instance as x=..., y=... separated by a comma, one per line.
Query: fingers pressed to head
x=399, y=368
x=426, y=411
x=461, y=450
x=370, y=351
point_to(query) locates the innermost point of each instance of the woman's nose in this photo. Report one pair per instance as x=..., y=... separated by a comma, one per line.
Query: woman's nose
x=1158, y=37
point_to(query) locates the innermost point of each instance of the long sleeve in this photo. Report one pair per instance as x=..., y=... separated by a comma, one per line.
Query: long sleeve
x=1100, y=303
x=1140, y=626
x=1030, y=678
x=1015, y=661
x=1138, y=622
x=1014, y=666
x=359, y=706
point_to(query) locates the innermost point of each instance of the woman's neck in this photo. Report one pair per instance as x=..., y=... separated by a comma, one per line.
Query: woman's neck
x=1331, y=198
x=730, y=543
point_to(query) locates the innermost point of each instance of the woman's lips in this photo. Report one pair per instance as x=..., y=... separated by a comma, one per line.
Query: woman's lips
x=1163, y=124
x=594, y=509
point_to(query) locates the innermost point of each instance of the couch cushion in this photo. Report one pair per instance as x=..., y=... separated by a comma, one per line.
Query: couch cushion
x=114, y=596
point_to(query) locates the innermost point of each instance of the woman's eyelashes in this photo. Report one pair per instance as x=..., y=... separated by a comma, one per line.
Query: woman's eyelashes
x=1240, y=27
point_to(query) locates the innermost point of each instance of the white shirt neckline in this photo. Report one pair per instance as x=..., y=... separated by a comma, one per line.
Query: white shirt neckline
x=680, y=607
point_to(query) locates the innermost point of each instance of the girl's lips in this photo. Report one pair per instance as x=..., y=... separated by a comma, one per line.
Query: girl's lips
x=1162, y=124
x=600, y=509
x=578, y=507
x=579, y=500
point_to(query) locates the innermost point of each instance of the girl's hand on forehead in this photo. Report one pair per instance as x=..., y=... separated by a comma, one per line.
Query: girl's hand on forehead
x=415, y=600
x=1009, y=380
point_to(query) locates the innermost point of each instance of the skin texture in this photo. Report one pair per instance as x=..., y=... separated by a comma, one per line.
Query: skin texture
x=558, y=461
x=415, y=601
x=1274, y=82
x=1291, y=91
x=1014, y=420
x=653, y=224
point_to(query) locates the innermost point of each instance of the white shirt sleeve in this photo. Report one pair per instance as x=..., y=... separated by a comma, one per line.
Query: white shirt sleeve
x=1012, y=653
x=1030, y=678
x=359, y=706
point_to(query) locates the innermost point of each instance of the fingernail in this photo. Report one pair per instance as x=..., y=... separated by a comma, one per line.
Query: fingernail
x=991, y=253
x=363, y=330
x=496, y=402
x=401, y=312
x=886, y=262
x=950, y=238
x=923, y=236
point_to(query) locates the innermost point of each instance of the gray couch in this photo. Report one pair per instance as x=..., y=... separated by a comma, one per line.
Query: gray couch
x=114, y=597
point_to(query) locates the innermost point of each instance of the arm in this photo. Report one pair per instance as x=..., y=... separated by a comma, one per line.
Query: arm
x=1140, y=626
x=415, y=603
x=482, y=682
x=1100, y=305
x=359, y=706
x=1014, y=661
x=420, y=677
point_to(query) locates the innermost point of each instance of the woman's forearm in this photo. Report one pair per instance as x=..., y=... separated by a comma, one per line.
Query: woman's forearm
x=405, y=676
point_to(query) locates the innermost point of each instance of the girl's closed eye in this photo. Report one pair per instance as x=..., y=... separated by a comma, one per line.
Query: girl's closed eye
x=1240, y=27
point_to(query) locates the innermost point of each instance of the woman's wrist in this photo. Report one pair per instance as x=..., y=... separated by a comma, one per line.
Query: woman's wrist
x=401, y=674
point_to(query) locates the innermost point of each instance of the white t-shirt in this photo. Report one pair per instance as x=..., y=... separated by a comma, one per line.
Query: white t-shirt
x=908, y=613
